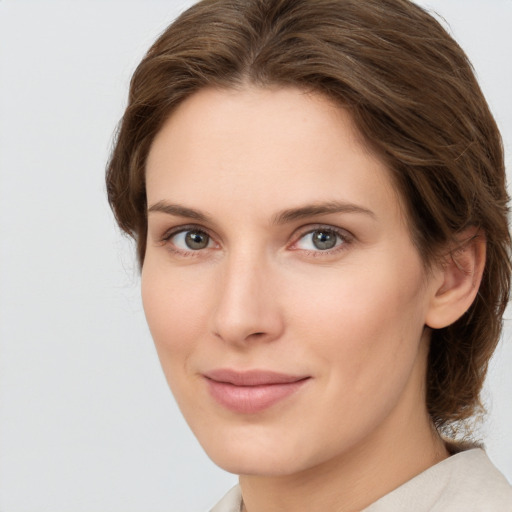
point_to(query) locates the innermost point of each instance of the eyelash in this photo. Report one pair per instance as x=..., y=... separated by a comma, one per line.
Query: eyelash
x=166, y=239
x=345, y=237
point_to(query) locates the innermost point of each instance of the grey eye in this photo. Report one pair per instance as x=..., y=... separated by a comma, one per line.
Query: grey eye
x=191, y=240
x=321, y=239
x=324, y=239
x=196, y=240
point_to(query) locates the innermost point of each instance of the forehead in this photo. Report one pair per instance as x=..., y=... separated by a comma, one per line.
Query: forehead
x=264, y=149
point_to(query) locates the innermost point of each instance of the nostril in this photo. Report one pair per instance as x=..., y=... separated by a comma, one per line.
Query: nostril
x=256, y=335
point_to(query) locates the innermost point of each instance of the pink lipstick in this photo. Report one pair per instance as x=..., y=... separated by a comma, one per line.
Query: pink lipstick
x=252, y=391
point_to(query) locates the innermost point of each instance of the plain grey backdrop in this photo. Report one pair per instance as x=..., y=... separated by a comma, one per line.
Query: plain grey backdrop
x=87, y=423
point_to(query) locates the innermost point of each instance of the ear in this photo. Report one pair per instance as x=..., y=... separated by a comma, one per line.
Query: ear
x=460, y=276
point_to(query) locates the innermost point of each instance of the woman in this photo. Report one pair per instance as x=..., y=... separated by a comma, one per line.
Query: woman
x=317, y=193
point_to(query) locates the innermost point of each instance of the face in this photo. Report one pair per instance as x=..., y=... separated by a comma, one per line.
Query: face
x=281, y=286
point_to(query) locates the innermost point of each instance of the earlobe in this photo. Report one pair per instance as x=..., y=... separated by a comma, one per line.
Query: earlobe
x=461, y=274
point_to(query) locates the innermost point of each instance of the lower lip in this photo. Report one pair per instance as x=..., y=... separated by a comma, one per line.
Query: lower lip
x=252, y=399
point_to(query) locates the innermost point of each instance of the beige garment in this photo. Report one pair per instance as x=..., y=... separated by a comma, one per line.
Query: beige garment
x=465, y=482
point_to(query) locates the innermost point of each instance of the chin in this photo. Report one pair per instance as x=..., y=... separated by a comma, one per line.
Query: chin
x=263, y=465
x=265, y=454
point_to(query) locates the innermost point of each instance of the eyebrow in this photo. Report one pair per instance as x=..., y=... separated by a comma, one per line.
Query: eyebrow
x=284, y=217
x=178, y=211
x=317, y=209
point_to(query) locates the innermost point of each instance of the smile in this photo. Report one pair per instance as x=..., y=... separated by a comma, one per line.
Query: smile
x=252, y=391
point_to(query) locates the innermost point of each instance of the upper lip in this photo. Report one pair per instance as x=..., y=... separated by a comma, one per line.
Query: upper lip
x=252, y=377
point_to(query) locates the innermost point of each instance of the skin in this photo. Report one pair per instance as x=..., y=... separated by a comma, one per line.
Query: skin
x=238, y=164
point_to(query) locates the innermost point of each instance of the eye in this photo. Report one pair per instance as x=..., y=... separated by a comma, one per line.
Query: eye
x=321, y=239
x=190, y=240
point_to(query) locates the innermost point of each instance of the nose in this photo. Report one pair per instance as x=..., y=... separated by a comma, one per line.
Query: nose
x=247, y=306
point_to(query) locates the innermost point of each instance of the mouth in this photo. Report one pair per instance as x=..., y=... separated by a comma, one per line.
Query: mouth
x=252, y=391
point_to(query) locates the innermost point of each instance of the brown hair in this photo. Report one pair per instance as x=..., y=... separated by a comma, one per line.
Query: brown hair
x=413, y=95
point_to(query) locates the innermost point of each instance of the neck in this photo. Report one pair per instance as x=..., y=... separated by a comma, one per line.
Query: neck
x=346, y=485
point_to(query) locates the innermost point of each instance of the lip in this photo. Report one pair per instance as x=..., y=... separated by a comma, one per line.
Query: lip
x=251, y=391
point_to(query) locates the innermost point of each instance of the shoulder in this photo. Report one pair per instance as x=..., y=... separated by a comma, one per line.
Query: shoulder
x=231, y=502
x=466, y=481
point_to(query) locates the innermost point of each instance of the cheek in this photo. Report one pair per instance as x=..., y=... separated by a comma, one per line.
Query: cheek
x=173, y=305
x=365, y=323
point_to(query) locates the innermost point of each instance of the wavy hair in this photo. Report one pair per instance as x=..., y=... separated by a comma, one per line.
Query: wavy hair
x=413, y=95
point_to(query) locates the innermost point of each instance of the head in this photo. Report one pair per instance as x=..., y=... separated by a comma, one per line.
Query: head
x=413, y=104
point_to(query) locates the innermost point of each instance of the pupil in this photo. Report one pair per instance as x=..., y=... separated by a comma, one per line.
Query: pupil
x=196, y=240
x=324, y=239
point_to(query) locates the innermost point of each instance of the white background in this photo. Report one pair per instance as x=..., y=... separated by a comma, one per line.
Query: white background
x=86, y=420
